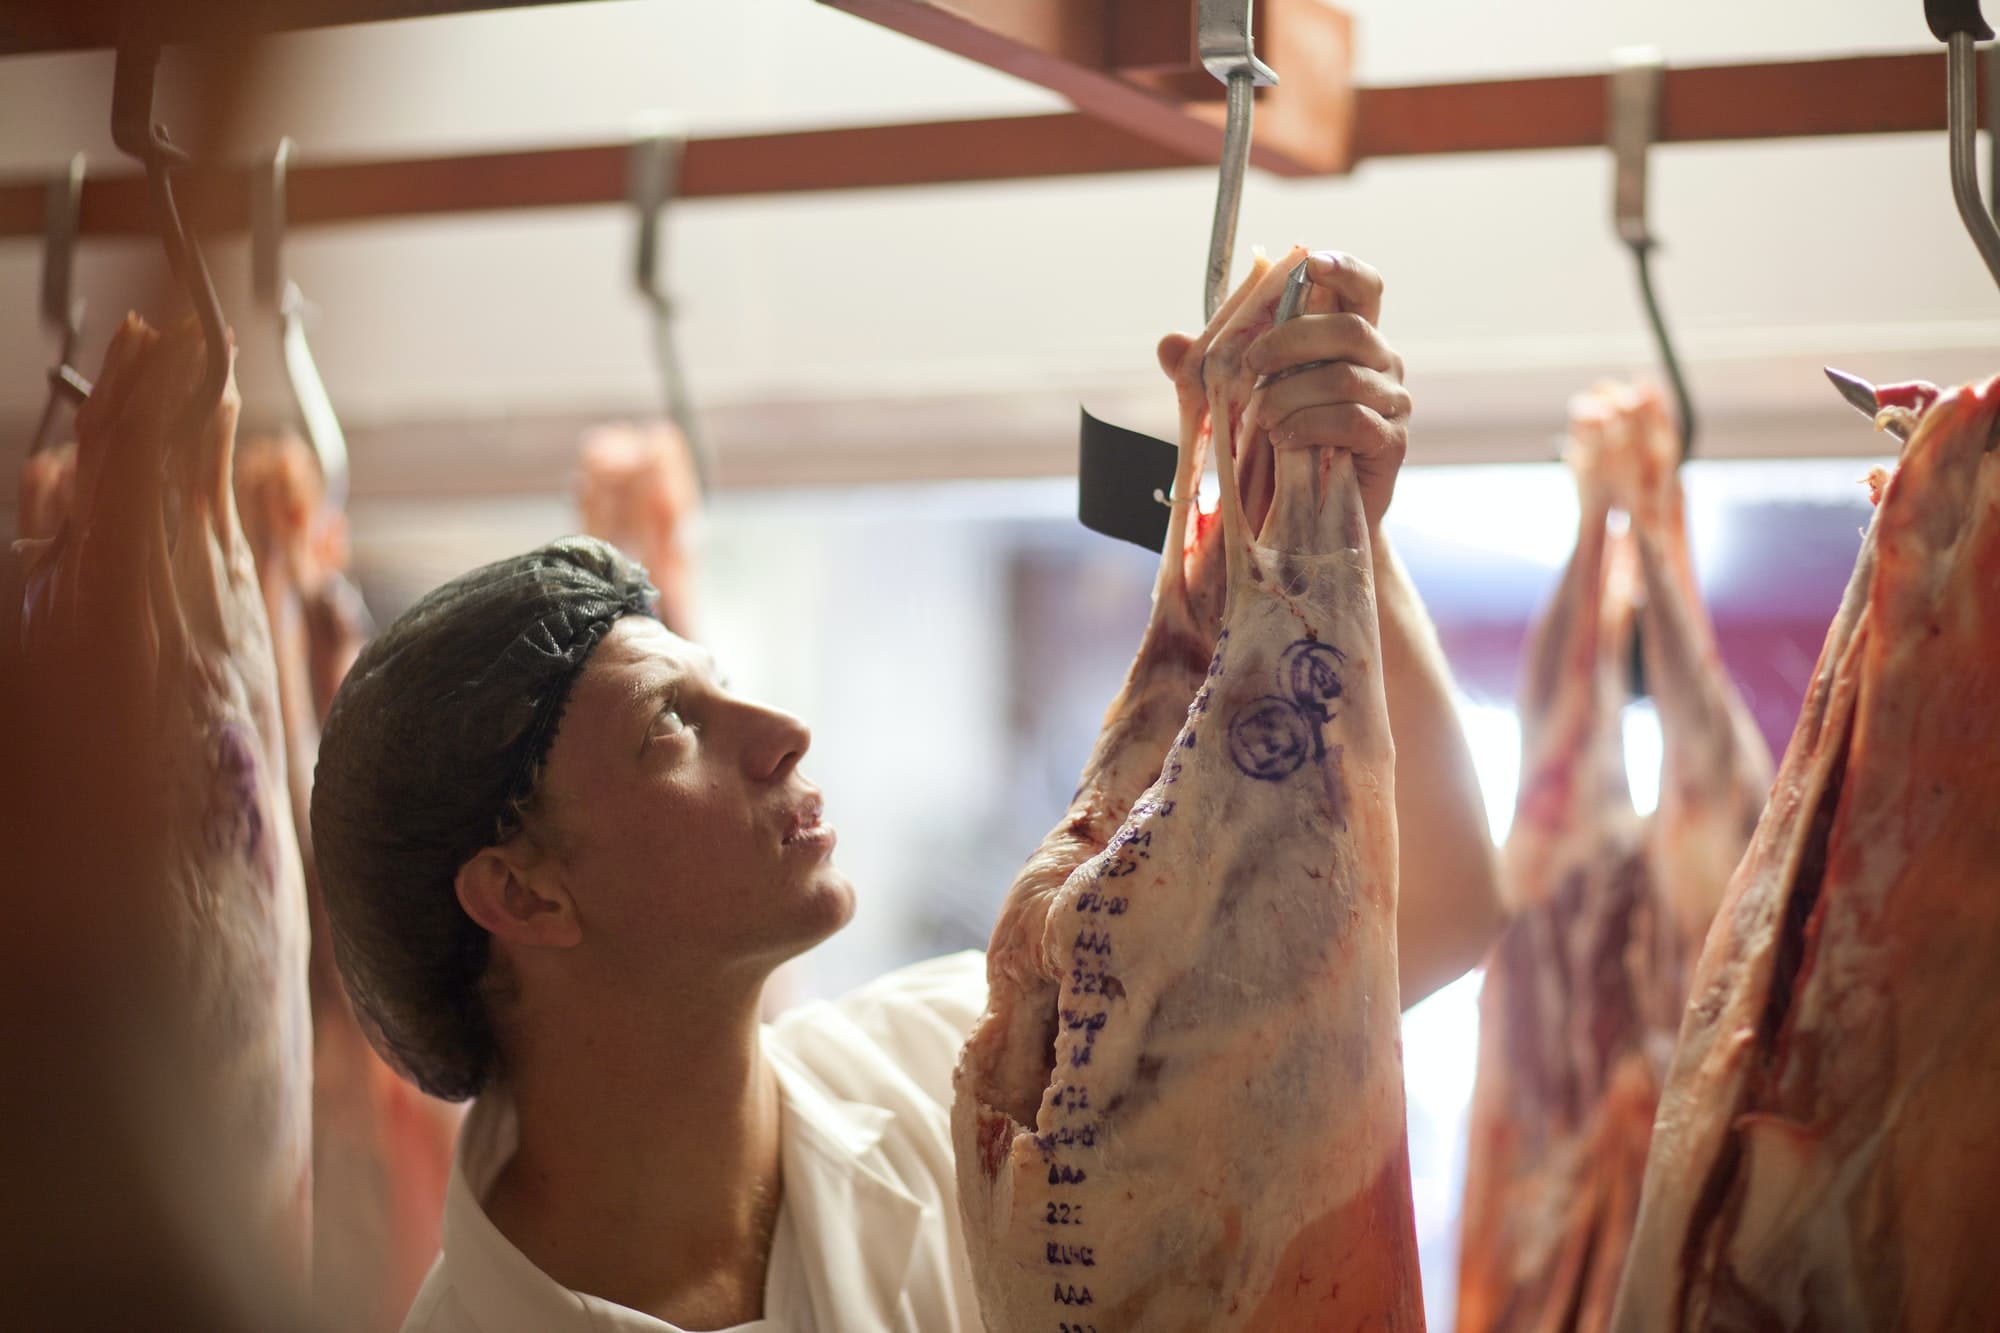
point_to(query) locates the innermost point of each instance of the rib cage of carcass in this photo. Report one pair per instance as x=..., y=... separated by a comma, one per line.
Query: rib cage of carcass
x=1183, y=1108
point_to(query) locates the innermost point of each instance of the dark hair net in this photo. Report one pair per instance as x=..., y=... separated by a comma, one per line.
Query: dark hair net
x=429, y=751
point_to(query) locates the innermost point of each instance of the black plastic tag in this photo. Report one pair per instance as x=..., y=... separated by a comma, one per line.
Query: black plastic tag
x=1121, y=476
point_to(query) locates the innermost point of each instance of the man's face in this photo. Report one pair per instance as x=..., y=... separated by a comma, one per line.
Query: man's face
x=676, y=816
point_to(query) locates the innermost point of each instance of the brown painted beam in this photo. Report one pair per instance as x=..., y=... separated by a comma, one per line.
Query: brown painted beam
x=1883, y=94
x=1116, y=60
x=1143, y=35
x=936, y=153
x=78, y=25
x=1851, y=95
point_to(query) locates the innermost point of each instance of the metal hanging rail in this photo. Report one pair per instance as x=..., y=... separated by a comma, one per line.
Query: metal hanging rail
x=1882, y=94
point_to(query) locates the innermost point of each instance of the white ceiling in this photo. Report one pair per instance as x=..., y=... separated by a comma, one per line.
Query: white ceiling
x=1506, y=289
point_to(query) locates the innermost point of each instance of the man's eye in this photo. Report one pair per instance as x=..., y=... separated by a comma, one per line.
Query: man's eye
x=668, y=723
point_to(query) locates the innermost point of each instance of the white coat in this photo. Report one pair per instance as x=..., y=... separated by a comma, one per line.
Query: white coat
x=869, y=1236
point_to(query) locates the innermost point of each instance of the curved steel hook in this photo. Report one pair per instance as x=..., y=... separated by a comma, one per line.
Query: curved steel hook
x=278, y=296
x=1228, y=193
x=655, y=173
x=136, y=133
x=1228, y=51
x=1961, y=26
x=1634, y=117
x=1962, y=99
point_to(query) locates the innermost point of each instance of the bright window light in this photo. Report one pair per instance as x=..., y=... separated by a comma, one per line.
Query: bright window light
x=1643, y=749
x=1493, y=733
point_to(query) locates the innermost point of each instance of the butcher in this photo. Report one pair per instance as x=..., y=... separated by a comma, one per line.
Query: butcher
x=561, y=854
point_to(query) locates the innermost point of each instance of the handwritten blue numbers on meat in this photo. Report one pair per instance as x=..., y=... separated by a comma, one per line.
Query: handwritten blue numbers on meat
x=1196, y=1121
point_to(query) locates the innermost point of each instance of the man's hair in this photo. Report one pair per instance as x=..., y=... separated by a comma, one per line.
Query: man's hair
x=430, y=753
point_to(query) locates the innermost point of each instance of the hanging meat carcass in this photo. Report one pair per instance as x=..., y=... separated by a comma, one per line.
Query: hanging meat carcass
x=637, y=490
x=1583, y=991
x=162, y=922
x=381, y=1148
x=1578, y=893
x=1183, y=1108
x=1822, y=1157
x=1715, y=767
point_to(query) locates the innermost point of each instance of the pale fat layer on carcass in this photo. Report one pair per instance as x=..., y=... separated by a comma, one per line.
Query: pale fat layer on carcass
x=148, y=587
x=1221, y=1143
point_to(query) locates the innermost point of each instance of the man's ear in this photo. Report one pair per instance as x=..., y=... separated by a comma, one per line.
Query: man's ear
x=514, y=901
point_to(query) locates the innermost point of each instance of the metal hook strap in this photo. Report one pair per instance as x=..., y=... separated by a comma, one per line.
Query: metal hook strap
x=61, y=314
x=137, y=135
x=654, y=175
x=267, y=232
x=65, y=200
x=1633, y=123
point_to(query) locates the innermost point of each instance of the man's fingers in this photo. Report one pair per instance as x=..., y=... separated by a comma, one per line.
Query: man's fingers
x=1357, y=285
x=1358, y=429
x=1338, y=383
x=1310, y=338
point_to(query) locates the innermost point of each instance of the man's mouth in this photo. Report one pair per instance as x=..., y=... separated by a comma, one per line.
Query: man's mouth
x=807, y=826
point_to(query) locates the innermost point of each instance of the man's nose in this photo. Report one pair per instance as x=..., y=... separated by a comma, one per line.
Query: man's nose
x=779, y=741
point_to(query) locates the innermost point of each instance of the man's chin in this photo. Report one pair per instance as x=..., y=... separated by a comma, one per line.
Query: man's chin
x=819, y=909
x=833, y=901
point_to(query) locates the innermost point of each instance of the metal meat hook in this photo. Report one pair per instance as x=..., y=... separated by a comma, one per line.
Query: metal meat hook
x=655, y=174
x=1223, y=40
x=62, y=313
x=1634, y=119
x=278, y=296
x=1960, y=26
x=139, y=136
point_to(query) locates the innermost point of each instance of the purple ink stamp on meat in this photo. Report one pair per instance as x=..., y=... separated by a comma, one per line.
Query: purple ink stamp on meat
x=1270, y=738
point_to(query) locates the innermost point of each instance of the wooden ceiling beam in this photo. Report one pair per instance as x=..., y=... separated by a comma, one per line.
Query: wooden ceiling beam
x=1882, y=94
x=40, y=26
x=1131, y=63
